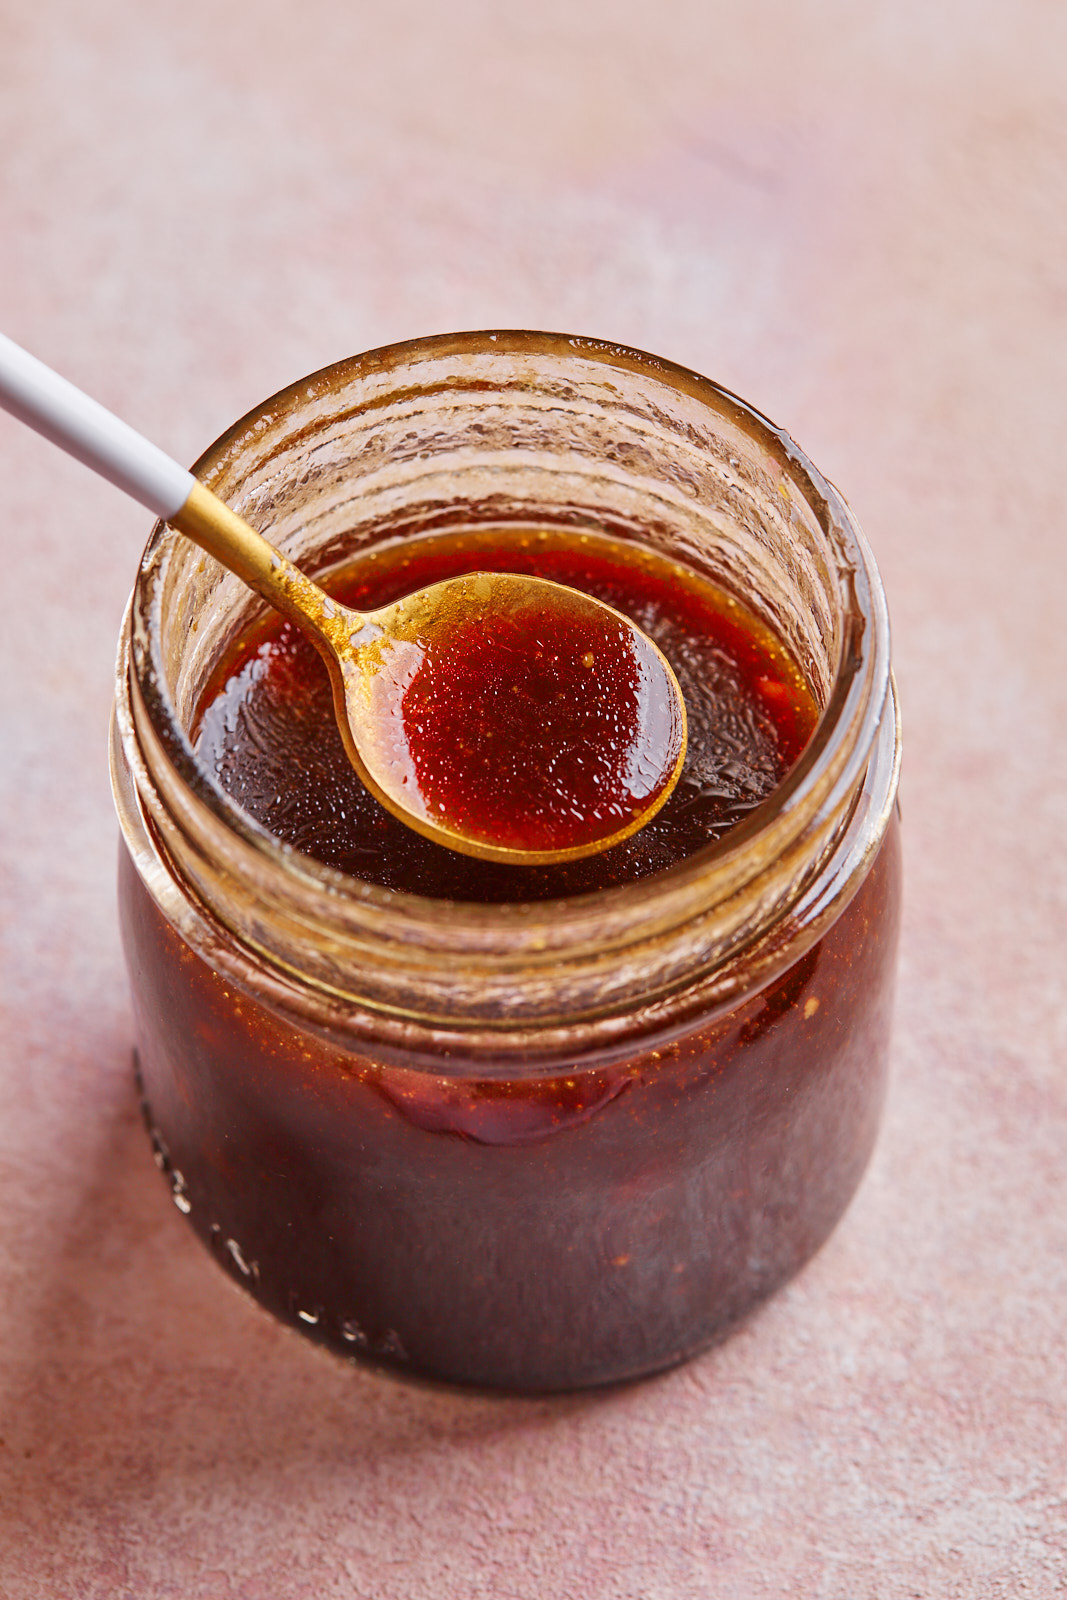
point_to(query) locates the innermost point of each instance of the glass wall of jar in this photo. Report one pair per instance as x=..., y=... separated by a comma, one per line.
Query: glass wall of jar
x=530, y=1146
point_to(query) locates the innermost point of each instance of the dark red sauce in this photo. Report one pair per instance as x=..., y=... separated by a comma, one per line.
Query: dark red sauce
x=535, y=1226
x=267, y=727
x=535, y=721
x=528, y=1232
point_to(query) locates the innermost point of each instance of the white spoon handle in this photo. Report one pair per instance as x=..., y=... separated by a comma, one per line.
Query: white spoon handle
x=40, y=397
x=85, y=429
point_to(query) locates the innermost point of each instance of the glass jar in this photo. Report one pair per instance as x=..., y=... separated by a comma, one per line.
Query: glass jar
x=532, y=1147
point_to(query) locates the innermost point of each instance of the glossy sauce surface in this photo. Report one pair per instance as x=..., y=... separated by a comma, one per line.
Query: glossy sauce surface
x=525, y=717
x=544, y=1225
x=267, y=728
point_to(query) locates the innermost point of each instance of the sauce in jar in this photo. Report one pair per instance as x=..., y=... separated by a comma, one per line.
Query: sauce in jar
x=528, y=1233
x=267, y=729
x=539, y=1128
x=330, y=1242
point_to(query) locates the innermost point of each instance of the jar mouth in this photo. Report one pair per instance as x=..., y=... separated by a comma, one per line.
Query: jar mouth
x=195, y=819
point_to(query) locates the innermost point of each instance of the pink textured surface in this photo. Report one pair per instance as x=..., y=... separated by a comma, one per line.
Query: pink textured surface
x=854, y=215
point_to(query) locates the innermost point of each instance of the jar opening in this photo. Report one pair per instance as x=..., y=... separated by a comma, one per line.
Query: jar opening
x=504, y=426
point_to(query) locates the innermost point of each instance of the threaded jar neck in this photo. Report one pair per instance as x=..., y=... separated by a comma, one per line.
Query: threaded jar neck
x=498, y=427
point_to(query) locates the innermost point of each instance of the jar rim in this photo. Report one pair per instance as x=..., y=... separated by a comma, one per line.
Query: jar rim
x=813, y=795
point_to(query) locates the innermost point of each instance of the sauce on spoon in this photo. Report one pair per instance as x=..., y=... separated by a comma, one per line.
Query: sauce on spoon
x=399, y=674
x=519, y=718
x=399, y=671
x=266, y=730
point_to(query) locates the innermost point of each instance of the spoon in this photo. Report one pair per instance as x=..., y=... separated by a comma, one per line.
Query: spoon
x=504, y=716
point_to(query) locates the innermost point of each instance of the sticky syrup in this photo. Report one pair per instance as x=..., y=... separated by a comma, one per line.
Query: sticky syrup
x=267, y=728
x=528, y=1224
x=526, y=717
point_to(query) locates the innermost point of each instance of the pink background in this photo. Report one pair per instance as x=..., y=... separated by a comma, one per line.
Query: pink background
x=853, y=214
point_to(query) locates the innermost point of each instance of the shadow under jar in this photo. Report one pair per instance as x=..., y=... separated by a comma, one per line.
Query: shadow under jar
x=533, y=1145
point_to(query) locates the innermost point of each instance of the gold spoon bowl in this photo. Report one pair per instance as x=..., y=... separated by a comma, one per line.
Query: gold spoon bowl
x=569, y=736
